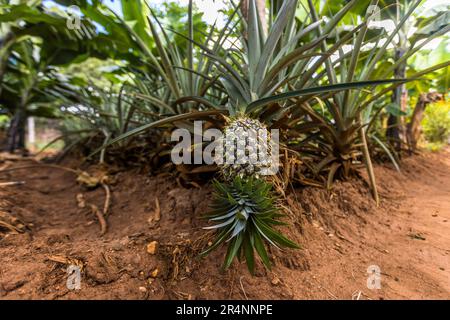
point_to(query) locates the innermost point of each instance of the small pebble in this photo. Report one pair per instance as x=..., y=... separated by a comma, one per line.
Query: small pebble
x=154, y=273
x=275, y=281
x=152, y=246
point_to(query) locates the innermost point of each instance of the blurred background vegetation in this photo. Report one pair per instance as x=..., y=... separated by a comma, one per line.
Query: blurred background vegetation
x=80, y=76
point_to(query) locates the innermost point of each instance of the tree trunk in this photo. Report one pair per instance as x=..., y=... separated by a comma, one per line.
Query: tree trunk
x=395, y=132
x=16, y=131
x=413, y=129
x=261, y=7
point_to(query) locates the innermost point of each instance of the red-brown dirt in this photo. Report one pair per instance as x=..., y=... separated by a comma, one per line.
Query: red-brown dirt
x=341, y=232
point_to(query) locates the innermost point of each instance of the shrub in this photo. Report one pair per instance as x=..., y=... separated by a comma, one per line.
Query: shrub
x=436, y=123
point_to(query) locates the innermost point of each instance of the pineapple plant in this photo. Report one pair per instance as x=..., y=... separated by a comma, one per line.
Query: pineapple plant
x=254, y=89
x=244, y=206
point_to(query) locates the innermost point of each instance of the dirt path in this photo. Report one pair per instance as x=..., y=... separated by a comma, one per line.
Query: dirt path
x=342, y=234
x=424, y=215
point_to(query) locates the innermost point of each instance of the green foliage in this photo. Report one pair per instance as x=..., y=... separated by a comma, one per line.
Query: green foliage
x=333, y=139
x=174, y=17
x=436, y=123
x=438, y=80
x=94, y=71
x=245, y=213
x=3, y=121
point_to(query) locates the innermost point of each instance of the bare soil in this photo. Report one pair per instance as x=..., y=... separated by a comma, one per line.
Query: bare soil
x=342, y=234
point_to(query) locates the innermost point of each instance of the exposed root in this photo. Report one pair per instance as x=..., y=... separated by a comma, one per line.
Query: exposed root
x=107, y=200
x=92, y=182
x=101, y=219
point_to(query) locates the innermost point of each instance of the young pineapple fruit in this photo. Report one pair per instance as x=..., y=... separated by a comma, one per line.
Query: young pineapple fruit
x=244, y=150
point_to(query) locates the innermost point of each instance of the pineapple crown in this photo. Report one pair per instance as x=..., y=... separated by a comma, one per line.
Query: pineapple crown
x=245, y=211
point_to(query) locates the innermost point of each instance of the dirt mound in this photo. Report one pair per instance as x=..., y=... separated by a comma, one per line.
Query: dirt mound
x=155, y=234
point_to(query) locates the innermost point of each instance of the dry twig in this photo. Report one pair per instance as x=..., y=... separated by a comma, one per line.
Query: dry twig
x=11, y=183
x=242, y=287
x=107, y=199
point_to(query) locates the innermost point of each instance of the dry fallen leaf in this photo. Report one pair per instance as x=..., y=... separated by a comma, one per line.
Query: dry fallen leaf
x=92, y=181
x=276, y=281
x=88, y=180
x=67, y=261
